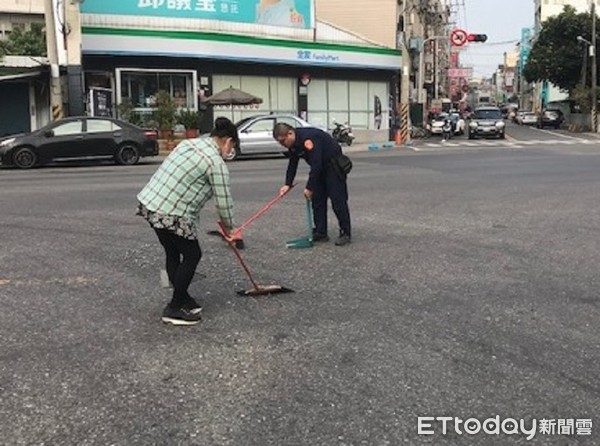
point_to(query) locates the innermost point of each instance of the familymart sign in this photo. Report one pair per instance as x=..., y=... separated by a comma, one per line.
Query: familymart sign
x=138, y=42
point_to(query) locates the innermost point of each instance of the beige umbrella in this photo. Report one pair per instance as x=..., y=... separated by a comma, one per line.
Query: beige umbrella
x=232, y=96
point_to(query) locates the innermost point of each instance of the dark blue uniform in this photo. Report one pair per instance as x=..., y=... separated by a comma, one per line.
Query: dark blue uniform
x=318, y=148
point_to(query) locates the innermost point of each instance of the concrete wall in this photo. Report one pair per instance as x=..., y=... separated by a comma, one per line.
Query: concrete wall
x=374, y=19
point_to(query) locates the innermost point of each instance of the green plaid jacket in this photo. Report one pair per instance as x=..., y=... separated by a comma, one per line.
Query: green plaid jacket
x=191, y=175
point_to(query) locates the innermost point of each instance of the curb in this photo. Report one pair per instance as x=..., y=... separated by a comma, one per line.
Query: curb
x=362, y=147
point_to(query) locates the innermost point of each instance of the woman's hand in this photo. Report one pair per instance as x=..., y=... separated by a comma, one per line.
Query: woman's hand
x=233, y=235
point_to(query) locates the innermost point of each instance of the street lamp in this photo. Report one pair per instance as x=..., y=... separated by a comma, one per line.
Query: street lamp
x=592, y=54
x=581, y=39
x=592, y=48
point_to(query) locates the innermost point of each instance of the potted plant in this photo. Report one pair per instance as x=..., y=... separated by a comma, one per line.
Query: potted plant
x=165, y=112
x=127, y=112
x=190, y=119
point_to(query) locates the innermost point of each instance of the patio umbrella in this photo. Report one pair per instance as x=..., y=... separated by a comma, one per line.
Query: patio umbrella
x=232, y=96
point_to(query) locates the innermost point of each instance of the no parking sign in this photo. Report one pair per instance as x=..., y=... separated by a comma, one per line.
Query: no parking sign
x=458, y=37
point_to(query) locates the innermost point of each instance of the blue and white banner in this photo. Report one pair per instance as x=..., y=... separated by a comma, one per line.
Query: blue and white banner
x=282, y=13
x=526, y=35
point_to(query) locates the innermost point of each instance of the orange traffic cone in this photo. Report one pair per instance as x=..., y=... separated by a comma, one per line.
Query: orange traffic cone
x=398, y=137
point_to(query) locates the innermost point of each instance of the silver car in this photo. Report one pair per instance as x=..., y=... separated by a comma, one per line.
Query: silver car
x=256, y=133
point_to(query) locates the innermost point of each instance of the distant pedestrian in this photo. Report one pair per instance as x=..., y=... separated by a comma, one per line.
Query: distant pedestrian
x=325, y=180
x=194, y=172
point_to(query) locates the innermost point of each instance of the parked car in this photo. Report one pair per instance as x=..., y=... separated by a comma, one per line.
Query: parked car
x=550, y=118
x=486, y=122
x=79, y=137
x=256, y=133
x=527, y=118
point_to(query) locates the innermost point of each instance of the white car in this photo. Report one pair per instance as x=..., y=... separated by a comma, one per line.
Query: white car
x=437, y=123
x=458, y=124
x=527, y=118
x=256, y=133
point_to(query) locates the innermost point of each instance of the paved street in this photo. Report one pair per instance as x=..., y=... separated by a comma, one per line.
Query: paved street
x=470, y=290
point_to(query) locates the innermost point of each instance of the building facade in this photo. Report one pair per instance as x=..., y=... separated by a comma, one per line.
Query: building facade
x=23, y=80
x=19, y=13
x=288, y=57
x=320, y=59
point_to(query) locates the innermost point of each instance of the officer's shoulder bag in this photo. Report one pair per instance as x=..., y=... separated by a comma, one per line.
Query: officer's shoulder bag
x=342, y=164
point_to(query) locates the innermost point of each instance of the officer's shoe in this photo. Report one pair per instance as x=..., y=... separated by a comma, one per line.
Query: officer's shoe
x=343, y=239
x=319, y=237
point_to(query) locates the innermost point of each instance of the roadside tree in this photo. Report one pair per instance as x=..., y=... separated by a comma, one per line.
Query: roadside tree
x=556, y=55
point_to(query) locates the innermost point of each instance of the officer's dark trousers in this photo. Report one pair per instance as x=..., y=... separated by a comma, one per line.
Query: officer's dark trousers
x=330, y=185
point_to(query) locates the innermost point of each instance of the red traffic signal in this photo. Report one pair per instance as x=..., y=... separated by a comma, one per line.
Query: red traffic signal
x=477, y=37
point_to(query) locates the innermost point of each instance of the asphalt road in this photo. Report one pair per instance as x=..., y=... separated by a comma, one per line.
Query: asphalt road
x=470, y=290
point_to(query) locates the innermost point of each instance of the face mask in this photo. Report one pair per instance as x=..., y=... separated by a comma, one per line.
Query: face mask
x=230, y=155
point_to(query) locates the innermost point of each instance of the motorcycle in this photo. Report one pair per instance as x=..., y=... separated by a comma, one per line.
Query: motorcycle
x=342, y=133
x=447, y=130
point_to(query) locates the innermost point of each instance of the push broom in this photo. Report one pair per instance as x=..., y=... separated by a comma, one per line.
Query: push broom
x=304, y=242
x=239, y=243
x=257, y=290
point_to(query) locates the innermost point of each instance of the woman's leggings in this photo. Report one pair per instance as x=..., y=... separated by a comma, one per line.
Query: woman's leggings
x=183, y=256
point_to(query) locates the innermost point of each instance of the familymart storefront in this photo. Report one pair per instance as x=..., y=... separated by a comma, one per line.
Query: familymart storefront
x=320, y=81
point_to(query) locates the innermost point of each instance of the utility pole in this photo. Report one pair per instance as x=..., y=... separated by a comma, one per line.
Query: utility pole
x=594, y=68
x=72, y=39
x=403, y=136
x=56, y=100
x=422, y=65
x=404, y=99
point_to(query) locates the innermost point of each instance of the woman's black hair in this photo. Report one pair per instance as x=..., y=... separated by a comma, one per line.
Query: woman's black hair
x=224, y=128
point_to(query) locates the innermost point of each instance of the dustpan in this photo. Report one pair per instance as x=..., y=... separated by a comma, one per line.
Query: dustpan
x=304, y=242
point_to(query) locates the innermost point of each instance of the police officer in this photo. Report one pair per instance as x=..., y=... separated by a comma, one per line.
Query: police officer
x=319, y=149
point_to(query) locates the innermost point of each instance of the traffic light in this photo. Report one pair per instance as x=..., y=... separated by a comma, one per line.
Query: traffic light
x=477, y=37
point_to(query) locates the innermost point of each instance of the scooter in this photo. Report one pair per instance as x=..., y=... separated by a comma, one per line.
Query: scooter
x=447, y=130
x=342, y=133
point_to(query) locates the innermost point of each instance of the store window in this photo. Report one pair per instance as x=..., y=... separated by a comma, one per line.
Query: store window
x=362, y=104
x=141, y=86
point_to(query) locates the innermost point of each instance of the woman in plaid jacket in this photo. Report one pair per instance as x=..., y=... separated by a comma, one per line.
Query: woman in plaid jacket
x=194, y=172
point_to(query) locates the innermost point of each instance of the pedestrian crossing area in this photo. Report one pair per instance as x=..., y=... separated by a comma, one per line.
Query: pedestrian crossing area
x=502, y=143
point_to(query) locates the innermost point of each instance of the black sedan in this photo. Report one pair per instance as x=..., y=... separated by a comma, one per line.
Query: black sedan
x=79, y=137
